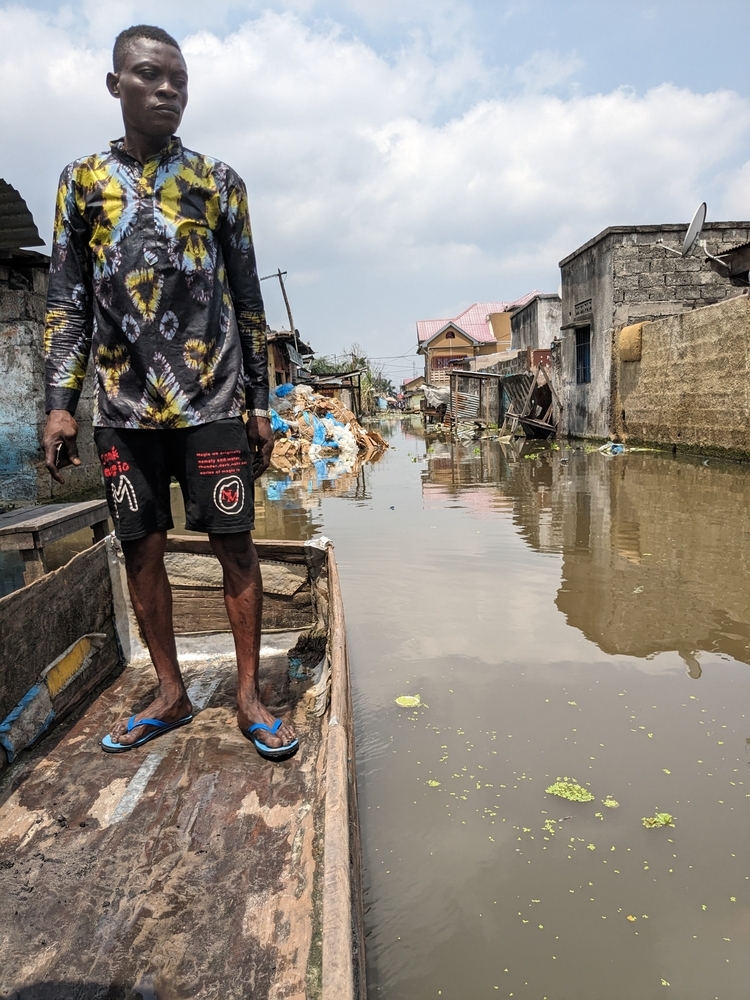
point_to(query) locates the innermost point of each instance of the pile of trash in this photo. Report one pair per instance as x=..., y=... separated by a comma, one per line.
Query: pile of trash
x=309, y=427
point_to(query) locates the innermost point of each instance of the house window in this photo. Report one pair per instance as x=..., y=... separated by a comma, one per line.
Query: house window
x=583, y=354
x=441, y=361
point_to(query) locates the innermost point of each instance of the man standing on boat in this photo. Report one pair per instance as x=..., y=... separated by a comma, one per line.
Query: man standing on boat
x=153, y=269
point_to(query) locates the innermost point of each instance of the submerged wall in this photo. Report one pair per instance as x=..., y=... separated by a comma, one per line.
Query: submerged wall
x=689, y=383
x=23, y=478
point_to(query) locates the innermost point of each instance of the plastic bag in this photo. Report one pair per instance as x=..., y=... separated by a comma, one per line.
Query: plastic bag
x=277, y=423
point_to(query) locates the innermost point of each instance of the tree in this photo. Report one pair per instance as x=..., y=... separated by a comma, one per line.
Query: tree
x=374, y=380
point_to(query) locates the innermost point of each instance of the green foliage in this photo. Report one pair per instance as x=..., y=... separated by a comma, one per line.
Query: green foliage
x=567, y=788
x=660, y=819
x=611, y=803
x=374, y=380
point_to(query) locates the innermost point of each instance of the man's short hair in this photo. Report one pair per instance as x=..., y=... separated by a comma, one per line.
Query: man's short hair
x=125, y=39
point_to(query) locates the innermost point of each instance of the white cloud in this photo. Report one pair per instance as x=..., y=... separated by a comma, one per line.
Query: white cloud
x=547, y=69
x=382, y=211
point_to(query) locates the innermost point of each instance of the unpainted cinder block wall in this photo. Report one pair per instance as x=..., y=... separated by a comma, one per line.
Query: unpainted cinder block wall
x=691, y=387
x=23, y=477
x=624, y=276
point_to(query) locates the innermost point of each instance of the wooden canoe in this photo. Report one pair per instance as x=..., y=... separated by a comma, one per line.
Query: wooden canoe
x=189, y=867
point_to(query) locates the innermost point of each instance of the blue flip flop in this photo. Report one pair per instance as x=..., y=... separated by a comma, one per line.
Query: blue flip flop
x=271, y=753
x=110, y=746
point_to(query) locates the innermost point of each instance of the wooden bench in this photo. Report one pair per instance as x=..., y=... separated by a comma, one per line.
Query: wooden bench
x=29, y=529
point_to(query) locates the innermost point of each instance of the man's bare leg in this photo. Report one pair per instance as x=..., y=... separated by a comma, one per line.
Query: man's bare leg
x=152, y=603
x=243, y=596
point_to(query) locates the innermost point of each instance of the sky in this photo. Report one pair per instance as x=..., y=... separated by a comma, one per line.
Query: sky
x=405, y=158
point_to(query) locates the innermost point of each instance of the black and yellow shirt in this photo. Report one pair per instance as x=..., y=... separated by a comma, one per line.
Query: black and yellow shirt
x=153, y=268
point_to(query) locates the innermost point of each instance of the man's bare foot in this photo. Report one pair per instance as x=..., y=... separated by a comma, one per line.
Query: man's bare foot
x=250, y=711
x=165, y=707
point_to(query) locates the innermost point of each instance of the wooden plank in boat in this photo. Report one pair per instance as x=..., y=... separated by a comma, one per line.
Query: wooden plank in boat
x=278, y=551
x=201, y=609
x=40, y=621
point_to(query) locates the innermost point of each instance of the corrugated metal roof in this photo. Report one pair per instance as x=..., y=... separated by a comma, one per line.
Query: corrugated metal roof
x=17, y=226
x=474, y=321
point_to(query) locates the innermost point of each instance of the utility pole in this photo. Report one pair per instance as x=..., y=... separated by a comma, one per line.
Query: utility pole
x=280, y=275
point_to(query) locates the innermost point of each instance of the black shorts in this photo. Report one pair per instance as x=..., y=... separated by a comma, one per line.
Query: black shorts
x=211, y=462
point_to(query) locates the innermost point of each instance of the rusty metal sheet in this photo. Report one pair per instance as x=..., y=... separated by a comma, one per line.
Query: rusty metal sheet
x=467, y=405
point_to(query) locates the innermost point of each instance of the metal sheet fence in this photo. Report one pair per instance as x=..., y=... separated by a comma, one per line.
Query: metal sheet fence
x=475, y=396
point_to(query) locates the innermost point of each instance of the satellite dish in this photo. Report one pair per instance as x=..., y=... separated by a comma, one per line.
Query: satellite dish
x=694, y=229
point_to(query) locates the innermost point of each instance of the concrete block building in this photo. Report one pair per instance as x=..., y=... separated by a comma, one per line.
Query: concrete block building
x=537, y=323
x=622, y=277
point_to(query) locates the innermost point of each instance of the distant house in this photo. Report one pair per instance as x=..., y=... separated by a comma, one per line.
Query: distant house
x=537, y=323
x=621, y=277
x=413, y=391
x=483, y=328
x=286, y=357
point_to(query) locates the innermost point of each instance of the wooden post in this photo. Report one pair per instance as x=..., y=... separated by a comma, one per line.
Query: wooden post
x=34, y=564
x=99, y=530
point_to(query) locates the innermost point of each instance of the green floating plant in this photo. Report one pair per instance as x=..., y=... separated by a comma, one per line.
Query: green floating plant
x=611, y=803
x=566, y=788
x=409, y=701
x=660, y=819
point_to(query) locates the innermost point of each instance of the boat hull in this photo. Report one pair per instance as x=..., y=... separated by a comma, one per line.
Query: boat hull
x=192, y=867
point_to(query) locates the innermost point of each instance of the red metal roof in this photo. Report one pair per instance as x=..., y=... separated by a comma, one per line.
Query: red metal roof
x=474, y=321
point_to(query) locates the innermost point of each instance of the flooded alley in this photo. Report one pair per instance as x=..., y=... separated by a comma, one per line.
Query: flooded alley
x=569, y=615
x=560, y=614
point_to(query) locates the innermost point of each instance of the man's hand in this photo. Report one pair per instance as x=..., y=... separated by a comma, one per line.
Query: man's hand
x=59, y=443
x=260, y=438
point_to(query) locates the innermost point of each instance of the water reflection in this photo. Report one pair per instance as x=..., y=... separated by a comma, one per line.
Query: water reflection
x=655, y=549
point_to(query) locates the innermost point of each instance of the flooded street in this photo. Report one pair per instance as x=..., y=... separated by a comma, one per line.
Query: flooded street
x=561, y=614
x=570, y=615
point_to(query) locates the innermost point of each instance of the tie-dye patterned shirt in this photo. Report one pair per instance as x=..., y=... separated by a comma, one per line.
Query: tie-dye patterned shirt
x=153, y=268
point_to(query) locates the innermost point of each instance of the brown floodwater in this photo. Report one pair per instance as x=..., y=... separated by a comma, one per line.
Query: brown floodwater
x=570, y=615
x=561, y=614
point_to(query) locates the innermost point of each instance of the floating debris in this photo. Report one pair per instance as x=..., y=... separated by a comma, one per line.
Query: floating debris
x=409, y=701
x=611, y=803
x=660, y=819
x=567, y=788
x=631, y=918
x=432, y=783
